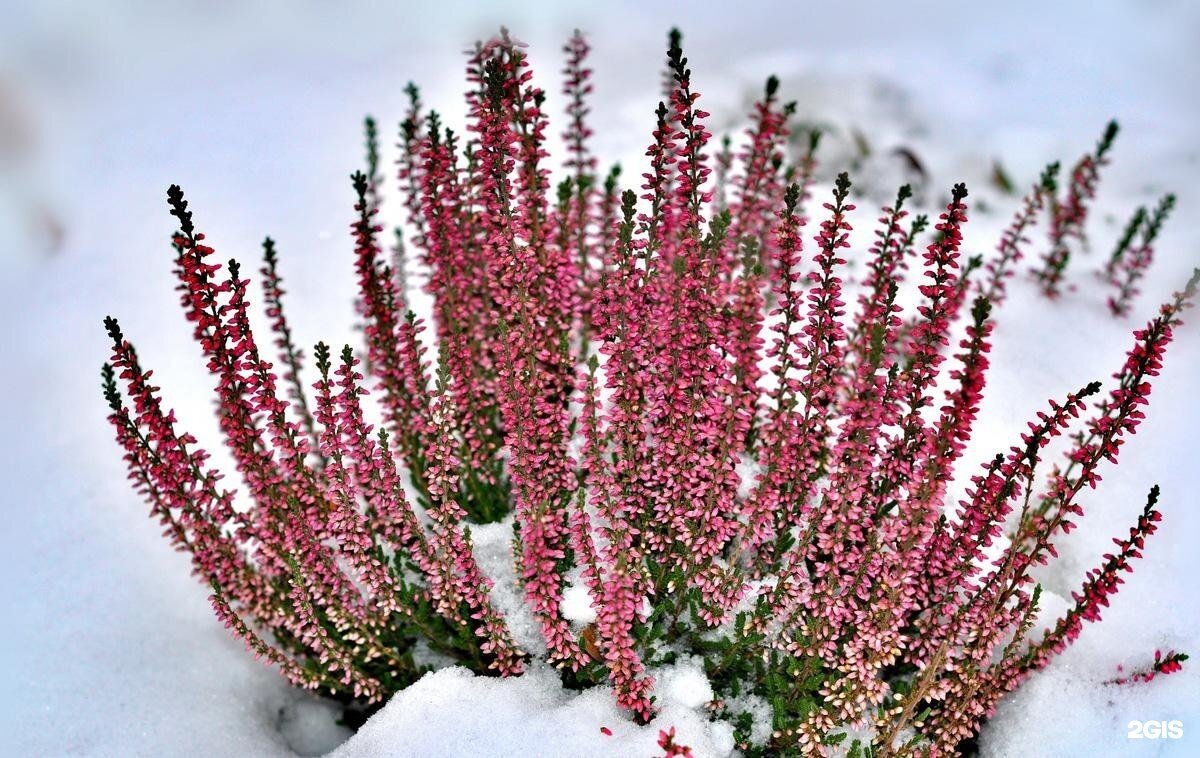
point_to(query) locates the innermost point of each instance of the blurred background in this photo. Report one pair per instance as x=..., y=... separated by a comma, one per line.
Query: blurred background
x=101, y=103
x=256, y=110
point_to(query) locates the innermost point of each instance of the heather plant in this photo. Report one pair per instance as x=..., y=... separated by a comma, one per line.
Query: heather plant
x=1069, y=214
x=1132, y=257
x=1066, y=234
x=678, y=400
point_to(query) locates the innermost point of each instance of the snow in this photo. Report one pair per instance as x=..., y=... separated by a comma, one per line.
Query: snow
x=309, y=725
x=455, y=714
x=110, y=648
x=760, y=715
x=493, y=549
x=1065, y=711
x=534, y=716
x=684, y=684
x=577, y=604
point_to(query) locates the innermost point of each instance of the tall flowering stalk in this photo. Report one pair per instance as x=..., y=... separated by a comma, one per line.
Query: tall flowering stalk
x=742, y=454
x=1100, y=584
x=1130, y=259
x=1068, y=215
x=1010, y=251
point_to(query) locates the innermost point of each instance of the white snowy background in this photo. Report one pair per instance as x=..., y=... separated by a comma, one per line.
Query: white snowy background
x=109, y=647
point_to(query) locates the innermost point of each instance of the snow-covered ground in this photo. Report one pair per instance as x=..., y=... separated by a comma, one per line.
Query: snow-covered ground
x=109, y=647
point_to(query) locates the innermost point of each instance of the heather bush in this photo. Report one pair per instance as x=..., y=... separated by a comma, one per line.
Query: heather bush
x=677, y=399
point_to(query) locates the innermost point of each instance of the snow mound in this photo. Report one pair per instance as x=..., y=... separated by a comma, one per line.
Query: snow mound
x=455, y=714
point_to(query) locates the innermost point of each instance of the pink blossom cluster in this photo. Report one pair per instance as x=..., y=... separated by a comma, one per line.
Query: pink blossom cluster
x=742, y=451
x=672, y=749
